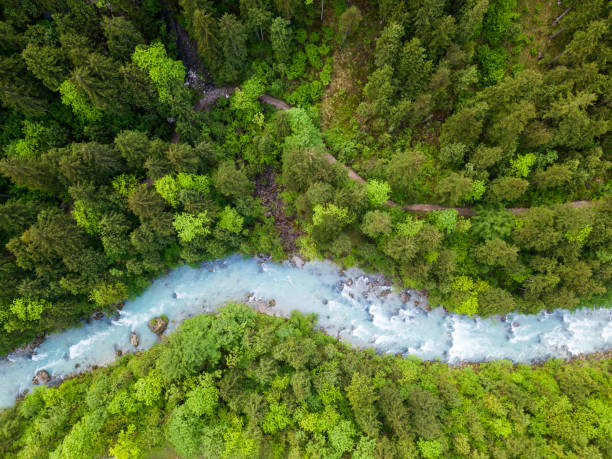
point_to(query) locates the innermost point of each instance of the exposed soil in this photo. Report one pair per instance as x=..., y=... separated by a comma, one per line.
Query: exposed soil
x=267, y=190
x=211, y=96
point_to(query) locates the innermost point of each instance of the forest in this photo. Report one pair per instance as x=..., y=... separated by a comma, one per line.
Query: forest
x=241, y=384
x=461, y=148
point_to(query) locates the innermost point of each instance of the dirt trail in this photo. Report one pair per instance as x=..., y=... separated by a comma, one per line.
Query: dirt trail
x=211, y=96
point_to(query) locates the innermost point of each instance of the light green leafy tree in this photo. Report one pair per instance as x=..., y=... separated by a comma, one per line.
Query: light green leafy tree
x=465, y=294
x=409, y=227
x=126, y=447
x=86, y=218
x=189, y=226
x=203, y=400
x=78, y=101
x=125, y=184
x=149, y=390
x=169, y=189
x=230, y=220
x=169, y=186
x=521, y=166
x=21, y=311
x=429, y=449
x=165, y=73
x=445, y=219
x=245, y=99
x=378, y=191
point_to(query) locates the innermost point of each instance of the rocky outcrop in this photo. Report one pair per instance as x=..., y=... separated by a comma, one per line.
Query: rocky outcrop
x=134, y=339
x=41, y=377
x=158, y=325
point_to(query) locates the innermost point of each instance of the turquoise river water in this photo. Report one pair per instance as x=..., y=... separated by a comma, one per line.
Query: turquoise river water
x=356, y=307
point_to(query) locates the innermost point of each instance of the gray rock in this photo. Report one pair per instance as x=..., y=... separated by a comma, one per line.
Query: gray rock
x=134, y=339
x=42, y=377
x=158, y=325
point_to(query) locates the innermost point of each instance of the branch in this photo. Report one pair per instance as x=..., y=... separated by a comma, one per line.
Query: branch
x=556, y=21
x=556, y=33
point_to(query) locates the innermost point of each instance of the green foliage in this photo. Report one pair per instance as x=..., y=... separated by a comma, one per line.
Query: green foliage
x=328, y=220
x=165, y=73
x=497, y=20
x=190, y=226
x=109, y=293
x=23, y=310
x=230, y=220
x=378, y=192
x=444, y=220
x=410, y=226
x=126, y=447
x=492, y=223
x=125, y=184
x=376, y=223
x=493, y=63
x=280, y=39
x=86, y=218
x=78, y=102
x=232, y=182
x=521, y=165
x=466, y=292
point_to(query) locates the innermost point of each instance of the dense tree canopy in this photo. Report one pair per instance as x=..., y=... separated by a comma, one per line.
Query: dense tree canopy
x=238, y=384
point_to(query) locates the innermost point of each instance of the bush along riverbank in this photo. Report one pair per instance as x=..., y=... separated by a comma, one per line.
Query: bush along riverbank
x=241, y=384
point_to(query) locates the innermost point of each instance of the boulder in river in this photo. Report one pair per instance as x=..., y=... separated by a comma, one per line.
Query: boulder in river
x=271, y=303
x=118, y=352
x=134, y=339
x=158, y=325
x=42, y=377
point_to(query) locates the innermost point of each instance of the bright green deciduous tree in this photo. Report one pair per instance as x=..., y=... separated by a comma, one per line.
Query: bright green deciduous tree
x=378, y=192
x=78, y=102
x=230, y=220
x=23, y=310
x=190, y=226
x=126, y=447
x=166, y=73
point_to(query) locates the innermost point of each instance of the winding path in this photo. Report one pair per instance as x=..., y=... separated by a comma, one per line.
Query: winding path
x=213, y=95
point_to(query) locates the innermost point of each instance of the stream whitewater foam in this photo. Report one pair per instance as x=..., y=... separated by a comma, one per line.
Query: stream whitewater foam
x=351, y=305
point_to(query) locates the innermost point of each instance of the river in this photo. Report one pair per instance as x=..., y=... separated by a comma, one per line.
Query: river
x=350, y=305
